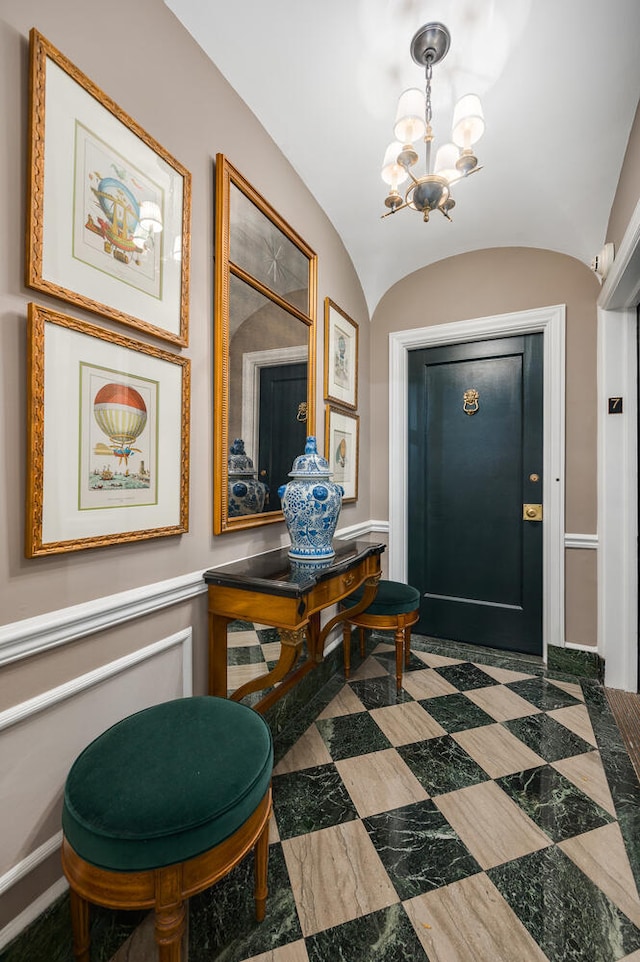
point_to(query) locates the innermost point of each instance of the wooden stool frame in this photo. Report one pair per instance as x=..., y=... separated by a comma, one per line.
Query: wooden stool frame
x=166, y=888
x=400, y=623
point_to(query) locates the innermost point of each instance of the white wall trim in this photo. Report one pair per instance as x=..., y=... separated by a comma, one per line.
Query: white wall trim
x=550, y=321
x=589, y=541
x=31, y=913
x=622, y=286
x=21, y=639
x=361, y=529
x=17, y=713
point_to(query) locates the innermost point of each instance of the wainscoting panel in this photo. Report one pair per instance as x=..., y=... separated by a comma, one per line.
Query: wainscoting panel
x=41, y=737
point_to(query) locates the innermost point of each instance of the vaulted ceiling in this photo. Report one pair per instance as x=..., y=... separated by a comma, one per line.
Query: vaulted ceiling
x=559, y=81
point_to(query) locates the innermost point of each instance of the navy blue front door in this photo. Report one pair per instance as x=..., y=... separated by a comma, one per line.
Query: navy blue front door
x=475, y=461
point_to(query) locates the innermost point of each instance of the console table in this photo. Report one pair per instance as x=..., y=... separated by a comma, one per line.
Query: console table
x=272, y=590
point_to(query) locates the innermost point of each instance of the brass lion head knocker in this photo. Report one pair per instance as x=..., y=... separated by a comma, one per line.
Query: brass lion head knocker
x=302, y=411
x=470, y=402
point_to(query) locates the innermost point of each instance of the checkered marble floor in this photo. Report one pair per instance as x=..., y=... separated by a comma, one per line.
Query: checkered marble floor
x=472, y=817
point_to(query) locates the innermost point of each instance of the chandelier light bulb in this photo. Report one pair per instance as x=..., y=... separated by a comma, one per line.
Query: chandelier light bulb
x=392, y=172
x=468, y=121
x=410, y=121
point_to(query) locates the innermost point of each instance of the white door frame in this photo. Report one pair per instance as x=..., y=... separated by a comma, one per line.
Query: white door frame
x=550, y=321
x=618, y=465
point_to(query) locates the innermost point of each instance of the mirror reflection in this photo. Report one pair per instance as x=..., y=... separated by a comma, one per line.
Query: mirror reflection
x=265, y=350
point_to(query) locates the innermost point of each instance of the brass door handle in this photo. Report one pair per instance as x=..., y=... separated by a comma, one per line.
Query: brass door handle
x=532, y=512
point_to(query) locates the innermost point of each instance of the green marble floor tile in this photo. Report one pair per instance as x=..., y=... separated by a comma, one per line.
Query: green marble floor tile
x=240, y=625
x=542, y=694
x=268, y=635
x=384, y=936
x=569, y=917
x=380, y=692
x=466, y=676
x=309, y=800
x=547, y=737
x=419, y=849
x=352, y=735
x=456, y=712
x=559, y=808
x=222, y=923
x=247, y=655
x=441, y=765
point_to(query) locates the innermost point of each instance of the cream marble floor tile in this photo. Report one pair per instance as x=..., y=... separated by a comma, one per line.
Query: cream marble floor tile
x=370, y=668
x=240, y=674
x=576, y=718
x=501, y=703
x=436, y=661
x=586, y=772
x=242, y=639
x=496, y=750
x=427, y=684
x=469, y=921
x=634, y=957
x=293, y=952
x=346, y=702
x=572, y=688
x=491, y=825
x=403, y=724
x=601, y=855
x=141, y=945
x=383, y=646
x=504, y=675
x=380, y=782
x=325, y=897
x=271, y=650
x=274, y=834
x=308, y=751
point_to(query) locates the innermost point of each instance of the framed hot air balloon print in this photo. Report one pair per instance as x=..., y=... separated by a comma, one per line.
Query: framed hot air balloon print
x=108, y=213
x=108, y=445
x=340, y=356
x=341, y=449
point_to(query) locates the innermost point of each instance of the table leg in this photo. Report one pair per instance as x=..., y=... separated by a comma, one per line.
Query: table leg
x=218, y=655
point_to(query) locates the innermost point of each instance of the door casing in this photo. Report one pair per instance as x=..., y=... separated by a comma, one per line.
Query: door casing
x=550, y=321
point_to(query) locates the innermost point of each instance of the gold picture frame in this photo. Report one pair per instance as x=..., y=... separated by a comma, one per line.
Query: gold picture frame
x=108, y=208
x=340, y=356
x=341, y=449
x=108, y=437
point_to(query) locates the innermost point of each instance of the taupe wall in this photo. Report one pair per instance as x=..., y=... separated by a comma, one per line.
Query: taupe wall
x=180, y=98
x=498, y=281
x=628, y=189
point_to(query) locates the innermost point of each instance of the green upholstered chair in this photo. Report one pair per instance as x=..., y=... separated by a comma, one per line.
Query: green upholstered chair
x=396, y=607
x=160, y=807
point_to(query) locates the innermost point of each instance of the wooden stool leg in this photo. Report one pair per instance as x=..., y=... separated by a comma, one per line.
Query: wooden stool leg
x=399, y=656
x=261, y=854
x=170, y=913
x=361, y=632
x=80, y=926
x=346, y=648
x=407, y=646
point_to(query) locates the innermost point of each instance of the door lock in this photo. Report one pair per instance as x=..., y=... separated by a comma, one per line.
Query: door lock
x=532, y=512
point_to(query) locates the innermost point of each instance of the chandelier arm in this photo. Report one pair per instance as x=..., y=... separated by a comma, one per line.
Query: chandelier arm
x=390, y=212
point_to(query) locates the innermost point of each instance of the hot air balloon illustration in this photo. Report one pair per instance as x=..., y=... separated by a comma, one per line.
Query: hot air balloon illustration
x=121, y=413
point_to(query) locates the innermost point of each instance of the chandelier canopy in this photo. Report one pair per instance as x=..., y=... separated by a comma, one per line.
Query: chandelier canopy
x=453, y=161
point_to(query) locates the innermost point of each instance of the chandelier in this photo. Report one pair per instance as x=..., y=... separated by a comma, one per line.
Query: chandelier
x=453, y=161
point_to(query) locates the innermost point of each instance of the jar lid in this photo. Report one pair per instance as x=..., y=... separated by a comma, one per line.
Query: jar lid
x=310, y=464
x=240, y=464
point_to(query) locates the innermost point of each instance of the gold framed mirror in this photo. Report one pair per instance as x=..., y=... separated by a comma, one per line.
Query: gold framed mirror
x=264, y=352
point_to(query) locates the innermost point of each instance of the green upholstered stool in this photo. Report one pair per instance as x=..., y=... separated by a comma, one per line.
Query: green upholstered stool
x=396, y=607
x=160, y=807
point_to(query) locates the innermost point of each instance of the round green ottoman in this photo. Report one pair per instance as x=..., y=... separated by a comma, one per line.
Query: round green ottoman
x=396, y=607
x=162, y=805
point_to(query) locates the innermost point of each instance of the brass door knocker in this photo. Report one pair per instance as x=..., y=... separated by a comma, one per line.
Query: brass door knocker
x=302, y=411
x=470, y=402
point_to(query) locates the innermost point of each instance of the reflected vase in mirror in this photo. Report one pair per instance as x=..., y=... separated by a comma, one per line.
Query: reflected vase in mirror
x=246, y=493
x=311, y=505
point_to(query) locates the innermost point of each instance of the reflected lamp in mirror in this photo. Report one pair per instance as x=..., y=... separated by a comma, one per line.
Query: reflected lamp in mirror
x=264, y=365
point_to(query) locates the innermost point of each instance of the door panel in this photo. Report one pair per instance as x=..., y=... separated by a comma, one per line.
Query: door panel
x=477, y=564
x=282, y=436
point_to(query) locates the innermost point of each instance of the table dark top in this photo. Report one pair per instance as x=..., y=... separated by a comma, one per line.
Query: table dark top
x=274, y=573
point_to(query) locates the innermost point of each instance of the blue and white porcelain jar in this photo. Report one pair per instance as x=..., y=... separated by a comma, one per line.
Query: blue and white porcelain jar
x=311, y=505
x=246, y=493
